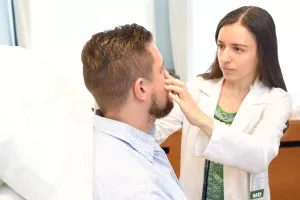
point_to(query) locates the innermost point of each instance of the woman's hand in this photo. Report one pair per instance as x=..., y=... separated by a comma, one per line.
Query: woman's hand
x=187, y=104
x=182, y=98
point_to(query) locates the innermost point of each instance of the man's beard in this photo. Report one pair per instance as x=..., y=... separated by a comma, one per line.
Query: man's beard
x=156, y=111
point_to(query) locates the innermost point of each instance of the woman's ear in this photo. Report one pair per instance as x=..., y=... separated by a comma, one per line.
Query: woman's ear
x=140, y=88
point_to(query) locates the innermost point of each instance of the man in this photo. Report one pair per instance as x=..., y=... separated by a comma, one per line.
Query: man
x=125, y=73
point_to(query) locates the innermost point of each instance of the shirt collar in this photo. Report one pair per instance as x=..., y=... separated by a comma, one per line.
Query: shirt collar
x=142, y=142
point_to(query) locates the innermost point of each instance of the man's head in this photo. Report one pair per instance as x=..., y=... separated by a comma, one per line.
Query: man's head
x=123, y=67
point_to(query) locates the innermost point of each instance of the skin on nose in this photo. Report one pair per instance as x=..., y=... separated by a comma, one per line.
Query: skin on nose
x=225, y=56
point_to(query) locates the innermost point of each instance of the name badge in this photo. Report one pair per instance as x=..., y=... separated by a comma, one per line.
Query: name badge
x=257, y=183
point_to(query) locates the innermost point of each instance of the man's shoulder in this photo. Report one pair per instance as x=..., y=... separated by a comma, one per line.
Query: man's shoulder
x=112, y=153
x=119, y=169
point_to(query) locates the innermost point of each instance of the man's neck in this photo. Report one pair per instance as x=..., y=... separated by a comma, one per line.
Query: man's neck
x=135, y=119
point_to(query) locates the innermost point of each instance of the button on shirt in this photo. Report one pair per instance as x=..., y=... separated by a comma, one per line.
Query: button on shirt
x=129, y=164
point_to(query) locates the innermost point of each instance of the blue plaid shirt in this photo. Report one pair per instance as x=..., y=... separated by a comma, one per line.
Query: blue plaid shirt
x=129, y=164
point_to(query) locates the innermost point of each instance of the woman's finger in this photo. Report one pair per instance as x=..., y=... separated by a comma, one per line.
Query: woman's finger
x=171, y=80
x=174, y=81
x=175, y=98
x=176, y=89
x=167, y=75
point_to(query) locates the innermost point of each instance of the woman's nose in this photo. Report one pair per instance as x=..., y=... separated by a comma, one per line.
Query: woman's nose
x=225, y=56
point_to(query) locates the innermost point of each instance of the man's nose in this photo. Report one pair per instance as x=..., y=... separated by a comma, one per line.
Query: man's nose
x=174, y=75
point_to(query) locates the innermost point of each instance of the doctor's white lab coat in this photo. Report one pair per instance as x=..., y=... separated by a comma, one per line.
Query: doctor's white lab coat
x=246, y=148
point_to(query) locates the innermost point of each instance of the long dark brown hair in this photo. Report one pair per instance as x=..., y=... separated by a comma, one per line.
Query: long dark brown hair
x=261, y=24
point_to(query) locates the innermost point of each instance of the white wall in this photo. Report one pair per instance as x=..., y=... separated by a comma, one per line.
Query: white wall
x=57, y=32
x=110, y=13
x=59, y=29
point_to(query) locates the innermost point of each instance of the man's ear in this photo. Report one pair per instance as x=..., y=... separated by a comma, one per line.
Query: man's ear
x=140, y=89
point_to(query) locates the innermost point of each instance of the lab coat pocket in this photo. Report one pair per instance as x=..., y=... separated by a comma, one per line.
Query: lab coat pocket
x=201, y=141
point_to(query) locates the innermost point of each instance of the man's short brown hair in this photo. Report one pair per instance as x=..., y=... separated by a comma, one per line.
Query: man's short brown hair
x=113, y=60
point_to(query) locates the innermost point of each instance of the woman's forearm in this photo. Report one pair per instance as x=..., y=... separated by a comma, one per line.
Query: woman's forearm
x=205, y=123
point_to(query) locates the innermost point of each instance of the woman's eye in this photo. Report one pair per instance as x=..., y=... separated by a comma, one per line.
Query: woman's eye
x=221, y=46
x=237, y=49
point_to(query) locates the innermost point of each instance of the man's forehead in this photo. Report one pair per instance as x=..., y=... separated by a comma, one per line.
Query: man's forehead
x=158, y=60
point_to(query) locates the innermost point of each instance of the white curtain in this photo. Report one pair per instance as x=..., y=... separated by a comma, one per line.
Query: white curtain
x=22, y=22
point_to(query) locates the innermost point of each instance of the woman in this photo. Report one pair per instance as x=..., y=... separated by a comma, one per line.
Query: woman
x=233, y=117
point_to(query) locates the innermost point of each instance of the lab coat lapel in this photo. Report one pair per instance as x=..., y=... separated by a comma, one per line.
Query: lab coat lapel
x=210, y=93
x=246, y=113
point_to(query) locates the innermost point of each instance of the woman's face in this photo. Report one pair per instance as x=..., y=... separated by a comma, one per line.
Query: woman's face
x=237, y=53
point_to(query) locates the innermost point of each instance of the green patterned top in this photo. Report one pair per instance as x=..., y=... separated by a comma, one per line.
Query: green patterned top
x=225, y=117
x=215, y=179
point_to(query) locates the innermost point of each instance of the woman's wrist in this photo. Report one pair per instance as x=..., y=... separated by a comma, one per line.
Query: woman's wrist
x=206, y=124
